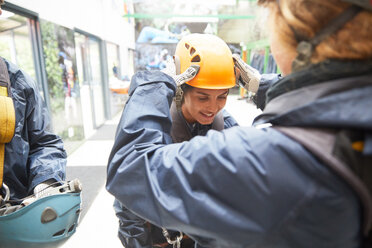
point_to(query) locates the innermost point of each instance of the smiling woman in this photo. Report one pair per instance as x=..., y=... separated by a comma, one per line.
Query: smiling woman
x=196, y=109
x=202, y=105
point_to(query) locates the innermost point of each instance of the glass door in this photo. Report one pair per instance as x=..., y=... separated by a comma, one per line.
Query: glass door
x=96, y=81
x=16, y=42
x=89, y=70
x=118, y=84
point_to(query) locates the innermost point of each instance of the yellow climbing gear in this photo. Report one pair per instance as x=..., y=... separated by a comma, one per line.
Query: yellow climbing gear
x=7, y=115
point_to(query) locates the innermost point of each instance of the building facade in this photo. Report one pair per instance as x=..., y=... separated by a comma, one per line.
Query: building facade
x=77, y=52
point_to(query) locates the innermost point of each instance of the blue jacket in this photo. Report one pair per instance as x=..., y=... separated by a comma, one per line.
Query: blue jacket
x=135, y=232
x=243, y=187
x=35, y=154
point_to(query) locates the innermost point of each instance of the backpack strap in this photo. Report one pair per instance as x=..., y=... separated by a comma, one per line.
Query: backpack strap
x=7, y=117
x=320, y=142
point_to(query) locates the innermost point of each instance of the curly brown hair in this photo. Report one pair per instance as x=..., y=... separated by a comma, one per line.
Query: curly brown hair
x=307, y=17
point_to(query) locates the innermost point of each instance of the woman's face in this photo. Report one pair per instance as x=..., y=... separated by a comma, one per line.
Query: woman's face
x=202, y=105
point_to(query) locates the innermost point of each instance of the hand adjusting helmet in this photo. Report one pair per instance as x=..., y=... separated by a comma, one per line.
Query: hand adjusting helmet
x=47, y=222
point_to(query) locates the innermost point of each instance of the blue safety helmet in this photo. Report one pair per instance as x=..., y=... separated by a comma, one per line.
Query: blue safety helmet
x=47, y=222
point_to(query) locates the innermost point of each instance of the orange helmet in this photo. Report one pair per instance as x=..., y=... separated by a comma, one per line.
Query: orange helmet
x=212, y=55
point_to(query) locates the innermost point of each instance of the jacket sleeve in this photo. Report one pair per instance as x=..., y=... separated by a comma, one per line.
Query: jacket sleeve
x=266, y=81
x=47, y=157
x=216, y=186
x=134, y=232
x=229, y=121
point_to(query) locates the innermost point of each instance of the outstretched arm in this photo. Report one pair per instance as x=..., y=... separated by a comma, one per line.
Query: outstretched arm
x=47, y=157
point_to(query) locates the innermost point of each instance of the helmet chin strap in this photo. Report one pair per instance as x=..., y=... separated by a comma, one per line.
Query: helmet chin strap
x=306, y=46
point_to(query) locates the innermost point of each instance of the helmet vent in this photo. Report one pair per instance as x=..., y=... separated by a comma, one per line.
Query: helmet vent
x=196, y=59
x=59, y=233
x=71, y=228
x=187, y=46
x=192, y=51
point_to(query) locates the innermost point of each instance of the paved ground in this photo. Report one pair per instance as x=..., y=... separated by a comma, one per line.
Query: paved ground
x=98, y=223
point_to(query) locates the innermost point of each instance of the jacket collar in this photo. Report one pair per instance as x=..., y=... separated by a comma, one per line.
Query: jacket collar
x=318, y=74
x=323, y=96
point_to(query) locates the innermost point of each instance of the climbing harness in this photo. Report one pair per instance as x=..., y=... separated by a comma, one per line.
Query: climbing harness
x=176, y=243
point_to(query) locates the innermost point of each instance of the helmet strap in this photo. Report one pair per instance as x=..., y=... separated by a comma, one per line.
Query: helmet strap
x=306, y=47
x=179, y=97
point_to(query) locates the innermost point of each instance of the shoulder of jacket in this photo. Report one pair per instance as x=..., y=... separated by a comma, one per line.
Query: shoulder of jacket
x=18, y=78
x=228, y=119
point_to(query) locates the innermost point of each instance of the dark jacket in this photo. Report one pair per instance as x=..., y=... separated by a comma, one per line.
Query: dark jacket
x=135, y=232
x=35, y=154
x=245, y=187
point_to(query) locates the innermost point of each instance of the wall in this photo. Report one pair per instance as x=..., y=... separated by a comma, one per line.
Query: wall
x=102, y=18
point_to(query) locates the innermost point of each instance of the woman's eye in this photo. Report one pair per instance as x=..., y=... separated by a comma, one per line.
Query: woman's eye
x=222, y=97
x=203, y=98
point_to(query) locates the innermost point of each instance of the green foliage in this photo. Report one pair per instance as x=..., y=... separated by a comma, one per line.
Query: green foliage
x=4, y=47
x=53, y=70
